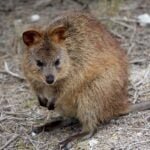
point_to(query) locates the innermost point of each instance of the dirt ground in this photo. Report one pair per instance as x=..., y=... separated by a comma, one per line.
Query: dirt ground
x=18, y=107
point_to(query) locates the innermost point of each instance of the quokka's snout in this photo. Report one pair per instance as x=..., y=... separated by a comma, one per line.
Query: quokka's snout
x=50, y=79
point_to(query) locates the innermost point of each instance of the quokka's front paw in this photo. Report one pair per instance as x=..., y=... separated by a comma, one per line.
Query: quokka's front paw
x=43, y=101
x=50, y=104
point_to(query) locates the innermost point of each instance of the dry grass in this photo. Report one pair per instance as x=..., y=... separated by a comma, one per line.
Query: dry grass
x=18, y=108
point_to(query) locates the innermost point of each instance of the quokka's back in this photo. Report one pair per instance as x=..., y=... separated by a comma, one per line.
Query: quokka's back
x=98, y=76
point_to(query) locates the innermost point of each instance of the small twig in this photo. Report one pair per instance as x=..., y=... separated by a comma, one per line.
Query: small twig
x=131, y=41
x=117, y=34
x=119, y=19
x=125, y=19
x=147, y=72
x=133, y=34
x=7, y=70
x=4, y=56
x=136, y=61
x=9, y=141
x=17, y=114
x=130, y=48
x=2, y=119
x=8, y=106
x=122, y=23
x=136, y=95
x=16, y=119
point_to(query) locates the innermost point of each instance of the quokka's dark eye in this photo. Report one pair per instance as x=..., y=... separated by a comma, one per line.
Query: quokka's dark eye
x=57, y=62
x=39, y=63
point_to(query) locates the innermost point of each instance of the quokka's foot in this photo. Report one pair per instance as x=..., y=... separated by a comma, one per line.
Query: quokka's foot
x=55, y=123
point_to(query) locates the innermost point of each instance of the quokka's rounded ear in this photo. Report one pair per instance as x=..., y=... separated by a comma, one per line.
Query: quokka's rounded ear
x=58, y=34
x=31, y=37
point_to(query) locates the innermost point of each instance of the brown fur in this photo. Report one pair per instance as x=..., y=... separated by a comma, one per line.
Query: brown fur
x=91, y=84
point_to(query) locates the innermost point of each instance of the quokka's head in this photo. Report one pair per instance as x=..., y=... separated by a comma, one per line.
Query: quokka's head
x=48, y=59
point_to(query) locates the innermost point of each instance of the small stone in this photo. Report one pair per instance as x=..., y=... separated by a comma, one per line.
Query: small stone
x=144, y=19
x=35, y=17
x=33, y=134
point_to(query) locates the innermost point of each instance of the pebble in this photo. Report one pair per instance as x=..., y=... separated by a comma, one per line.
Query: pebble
x=35, y=17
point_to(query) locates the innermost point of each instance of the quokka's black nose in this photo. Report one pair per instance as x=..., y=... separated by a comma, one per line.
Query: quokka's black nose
x=50, y=79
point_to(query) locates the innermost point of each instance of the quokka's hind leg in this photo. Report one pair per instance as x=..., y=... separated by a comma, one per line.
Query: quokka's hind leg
x=83, y=135
x=56, y=123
